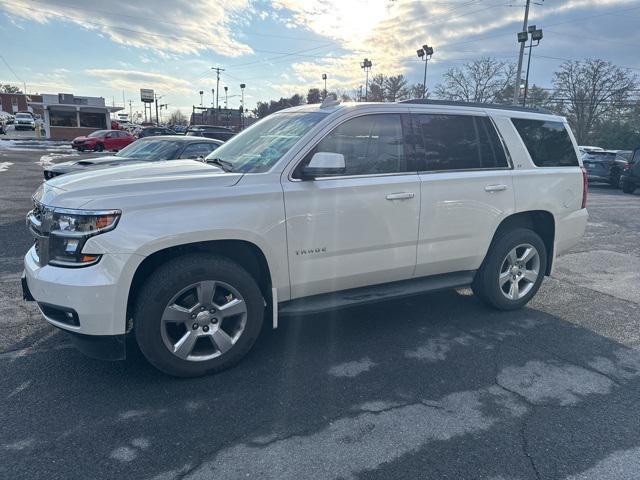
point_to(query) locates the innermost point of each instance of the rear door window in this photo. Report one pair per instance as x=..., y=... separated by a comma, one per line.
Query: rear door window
x=548, y=142
x=458, y=142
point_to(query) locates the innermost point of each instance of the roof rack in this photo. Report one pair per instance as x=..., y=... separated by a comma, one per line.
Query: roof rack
x=496, y=106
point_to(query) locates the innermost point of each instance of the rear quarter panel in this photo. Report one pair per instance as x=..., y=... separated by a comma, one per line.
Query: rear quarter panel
x=557, y=190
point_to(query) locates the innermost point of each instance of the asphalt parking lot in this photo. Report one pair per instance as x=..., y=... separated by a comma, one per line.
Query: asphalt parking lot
x=437, y=386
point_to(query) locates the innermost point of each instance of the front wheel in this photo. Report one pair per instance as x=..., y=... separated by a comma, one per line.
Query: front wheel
x=198, y=314
x=99, y=147
x=513, y=270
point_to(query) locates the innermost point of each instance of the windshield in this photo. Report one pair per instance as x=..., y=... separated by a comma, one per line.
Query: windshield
x=99, y=133
x=260, y=146
x=151, y=149
x=23, y=115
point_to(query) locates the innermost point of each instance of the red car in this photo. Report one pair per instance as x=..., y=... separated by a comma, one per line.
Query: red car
x=103, y=140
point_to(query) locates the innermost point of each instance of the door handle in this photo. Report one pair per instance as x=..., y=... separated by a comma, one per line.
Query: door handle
x=400, y=196
x=495, y=188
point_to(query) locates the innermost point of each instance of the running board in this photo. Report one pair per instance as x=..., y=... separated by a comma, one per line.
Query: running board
x=374, y=293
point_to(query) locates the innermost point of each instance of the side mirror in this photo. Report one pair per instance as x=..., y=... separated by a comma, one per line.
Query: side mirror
x=324, y=164
x=199, y=158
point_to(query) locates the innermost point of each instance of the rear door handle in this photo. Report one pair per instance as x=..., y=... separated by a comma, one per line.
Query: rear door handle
x=495, y=188
x=400, y=196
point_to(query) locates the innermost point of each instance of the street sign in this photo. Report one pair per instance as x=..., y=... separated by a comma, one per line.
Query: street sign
x=146, y=95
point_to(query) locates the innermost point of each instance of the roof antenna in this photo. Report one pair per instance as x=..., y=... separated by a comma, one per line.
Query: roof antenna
x=330, y=101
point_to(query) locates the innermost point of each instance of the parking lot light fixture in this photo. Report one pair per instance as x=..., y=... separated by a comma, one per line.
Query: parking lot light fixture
x=324, y=77
x=536, y=35
x=366, y=65
x=425, y=54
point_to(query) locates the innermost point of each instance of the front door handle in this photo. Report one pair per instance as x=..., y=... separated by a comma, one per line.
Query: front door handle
x=495, y=188
x=400, y=196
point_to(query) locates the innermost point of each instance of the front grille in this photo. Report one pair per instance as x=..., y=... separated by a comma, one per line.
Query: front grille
x=39, y=224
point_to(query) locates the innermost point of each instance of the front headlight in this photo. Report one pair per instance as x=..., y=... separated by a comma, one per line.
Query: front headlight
x=70, y=230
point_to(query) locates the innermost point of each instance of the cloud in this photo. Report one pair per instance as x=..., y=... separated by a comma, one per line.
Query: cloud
x=132, y=80
x=193, y=26
x=390, y=32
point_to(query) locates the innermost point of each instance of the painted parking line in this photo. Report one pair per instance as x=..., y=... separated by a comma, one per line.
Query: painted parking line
x=4, y=166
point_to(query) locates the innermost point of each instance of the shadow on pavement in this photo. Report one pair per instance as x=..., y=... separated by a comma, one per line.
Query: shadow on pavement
x=435, y=386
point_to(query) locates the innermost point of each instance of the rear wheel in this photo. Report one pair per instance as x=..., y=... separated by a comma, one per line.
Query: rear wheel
x=628, y=187
x=198, y=314
x=512, y=271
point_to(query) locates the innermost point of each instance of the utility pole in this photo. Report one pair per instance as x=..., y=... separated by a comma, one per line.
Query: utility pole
x=218, y=70
x=242, y=87
x=516, y=89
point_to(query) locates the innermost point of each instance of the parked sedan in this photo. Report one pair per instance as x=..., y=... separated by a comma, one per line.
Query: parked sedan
x=112, y=140
x=602, y=167
x=148, y=149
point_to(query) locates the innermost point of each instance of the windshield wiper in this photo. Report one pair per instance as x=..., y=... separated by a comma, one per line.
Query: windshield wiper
x=223, y=164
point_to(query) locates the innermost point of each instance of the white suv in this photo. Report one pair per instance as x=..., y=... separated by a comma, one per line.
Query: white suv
x=312, y=208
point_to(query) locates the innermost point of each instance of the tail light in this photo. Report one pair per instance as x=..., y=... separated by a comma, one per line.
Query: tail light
x=626, y=166
x=585, y=187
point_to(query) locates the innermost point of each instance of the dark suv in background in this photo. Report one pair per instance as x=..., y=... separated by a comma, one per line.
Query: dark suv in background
x=630, y=178
x=210, y=131
x=606, y=165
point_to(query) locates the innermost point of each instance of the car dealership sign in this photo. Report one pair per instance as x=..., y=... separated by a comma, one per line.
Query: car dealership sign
x=146, y=95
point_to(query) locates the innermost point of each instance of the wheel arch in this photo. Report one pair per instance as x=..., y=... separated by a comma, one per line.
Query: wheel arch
x=540, y=221
x=245, y=253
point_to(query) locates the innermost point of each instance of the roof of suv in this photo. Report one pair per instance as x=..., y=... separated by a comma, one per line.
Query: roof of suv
x=333, y=107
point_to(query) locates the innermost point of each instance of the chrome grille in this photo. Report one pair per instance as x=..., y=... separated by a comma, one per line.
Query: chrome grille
x=39, y=224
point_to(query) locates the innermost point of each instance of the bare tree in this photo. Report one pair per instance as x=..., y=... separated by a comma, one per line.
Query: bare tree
x=395, y=88
x=482, y=80
x=177, y=118
x=589, y=91
x=416, y=91
x=8, y=88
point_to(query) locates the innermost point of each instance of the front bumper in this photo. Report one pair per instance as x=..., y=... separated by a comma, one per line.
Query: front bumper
x=97, y=294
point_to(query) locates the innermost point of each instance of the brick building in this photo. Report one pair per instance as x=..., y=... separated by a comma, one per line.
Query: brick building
x=19, y=102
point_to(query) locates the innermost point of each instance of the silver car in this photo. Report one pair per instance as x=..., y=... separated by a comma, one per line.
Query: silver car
x=24, y=121
x=150, y=149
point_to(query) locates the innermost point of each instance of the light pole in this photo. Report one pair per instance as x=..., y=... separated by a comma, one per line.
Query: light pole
x=242, y=87
x=366, y=65
x=324, y=77
x=522, y=38
x=536, y=34
x=201, y=93
x=226, y=97
x=425, y=54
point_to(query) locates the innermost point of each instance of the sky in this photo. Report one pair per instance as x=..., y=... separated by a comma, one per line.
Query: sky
x=281, y=47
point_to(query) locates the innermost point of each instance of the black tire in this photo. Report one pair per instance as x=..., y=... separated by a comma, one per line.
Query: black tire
x=99, y=147
x=169, y=279
x=628, y=187
x=486, y=284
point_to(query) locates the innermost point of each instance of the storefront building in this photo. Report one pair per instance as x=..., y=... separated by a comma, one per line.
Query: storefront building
x=67, y=116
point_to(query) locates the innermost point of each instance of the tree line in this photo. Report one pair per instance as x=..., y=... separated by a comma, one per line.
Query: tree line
x=600, y=100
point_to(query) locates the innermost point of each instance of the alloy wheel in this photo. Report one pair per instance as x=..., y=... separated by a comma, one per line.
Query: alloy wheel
x=203, y=321
x=519, y=271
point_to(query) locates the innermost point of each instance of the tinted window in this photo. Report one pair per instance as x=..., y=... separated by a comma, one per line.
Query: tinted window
x=548, y=142
x=371, y=144
x=458, y=142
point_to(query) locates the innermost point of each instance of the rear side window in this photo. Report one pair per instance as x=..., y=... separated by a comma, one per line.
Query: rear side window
x=548, y=142
x=458, y=142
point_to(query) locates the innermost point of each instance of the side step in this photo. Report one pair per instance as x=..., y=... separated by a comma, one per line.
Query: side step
x=374, y=293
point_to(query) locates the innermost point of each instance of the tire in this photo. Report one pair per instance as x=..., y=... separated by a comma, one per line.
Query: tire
x=494, y=280
x=628, y=187
x=99, y=147
x=169, y=292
